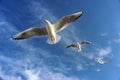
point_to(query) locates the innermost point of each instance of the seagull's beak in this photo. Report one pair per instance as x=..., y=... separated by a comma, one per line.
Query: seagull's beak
x=46, y=21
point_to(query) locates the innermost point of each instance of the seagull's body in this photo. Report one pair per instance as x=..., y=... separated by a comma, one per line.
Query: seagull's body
x=101, y=61
x=78, y=45
x=50, y=29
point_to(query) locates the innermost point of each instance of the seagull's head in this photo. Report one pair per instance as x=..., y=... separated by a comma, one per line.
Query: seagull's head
x=89, y=42
x=47, y=22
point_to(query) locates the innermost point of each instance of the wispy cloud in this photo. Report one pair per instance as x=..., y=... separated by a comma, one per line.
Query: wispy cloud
x=103, y=34
x=32, y=75
x=29, y=72
x=4, y=73
x=98, y=70
x=80, y=67
x=118, y=65
x=117, y=40
x=104, y=51
x=6, y=28
x=119, y=34
x=8, y=77
x=45, y=74
x=41, y=13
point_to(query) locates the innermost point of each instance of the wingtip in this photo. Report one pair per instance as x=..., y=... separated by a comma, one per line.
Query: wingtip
x=79, y=13
x=67, y=47
x=90, y=42
x=12, y=38
x=15, y=38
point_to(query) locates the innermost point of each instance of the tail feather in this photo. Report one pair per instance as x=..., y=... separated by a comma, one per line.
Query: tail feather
x=58, y=37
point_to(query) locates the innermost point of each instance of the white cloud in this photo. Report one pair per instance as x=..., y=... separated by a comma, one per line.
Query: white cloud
x=117, y=40
x=6, y=24
x=104, y=51
x=32, y=75
x=29, y=72
x=98, y=70
x=119, y=34
x=8, y=76
x=79, y=67
x=70, y=35
x=6, y=30
x=89, y=55
x=118, y=65
x=104, y=34
x=41, y=12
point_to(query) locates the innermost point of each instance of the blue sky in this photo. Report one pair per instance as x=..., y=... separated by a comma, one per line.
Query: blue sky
x=34, y=59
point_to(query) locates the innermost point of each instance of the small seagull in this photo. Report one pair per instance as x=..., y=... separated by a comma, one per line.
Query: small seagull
x=78, y=45
x=51, y=29
x=101, y=61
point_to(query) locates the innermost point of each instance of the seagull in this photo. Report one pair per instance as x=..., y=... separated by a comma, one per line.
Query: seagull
x=101, y=61
x=78, y=45
x=51, y=29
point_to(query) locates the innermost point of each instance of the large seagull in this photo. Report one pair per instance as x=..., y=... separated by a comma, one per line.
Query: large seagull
x=78, y=45
x=50, y=29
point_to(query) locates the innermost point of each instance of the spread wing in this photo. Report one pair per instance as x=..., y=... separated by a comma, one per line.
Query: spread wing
x=106, y=61
x=64, y=21
x=30, y=33
x=85, y=42
x=71, y=45
x=101, y=61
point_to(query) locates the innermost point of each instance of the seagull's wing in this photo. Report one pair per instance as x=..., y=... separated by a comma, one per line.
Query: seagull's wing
x=71, y=45
x=101, y=61
x=64, y=21
x=105, y=61
x=30, y=33
x=85, y=42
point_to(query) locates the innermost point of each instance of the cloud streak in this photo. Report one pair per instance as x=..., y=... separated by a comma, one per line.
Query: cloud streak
x=117, y=40
x=103, y=34
x=104, y=51
x=29, y=72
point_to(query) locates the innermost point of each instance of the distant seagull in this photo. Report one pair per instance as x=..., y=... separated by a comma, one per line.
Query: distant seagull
x=50, y=29
x=101, y=61
x=78, y=45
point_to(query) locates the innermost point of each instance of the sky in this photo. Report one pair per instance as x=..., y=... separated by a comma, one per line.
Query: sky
x=34, y=59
